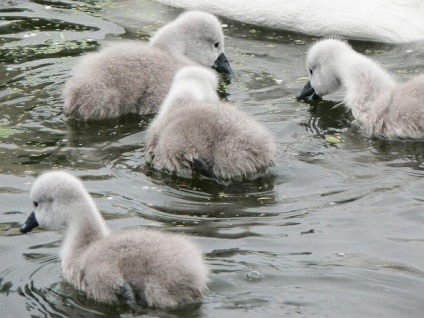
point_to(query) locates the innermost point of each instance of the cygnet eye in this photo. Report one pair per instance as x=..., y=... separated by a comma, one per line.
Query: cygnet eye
x=310, y=71
x=35, y=204
x=216, y=44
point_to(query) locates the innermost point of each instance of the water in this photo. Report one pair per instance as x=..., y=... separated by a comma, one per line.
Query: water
x=335, y=232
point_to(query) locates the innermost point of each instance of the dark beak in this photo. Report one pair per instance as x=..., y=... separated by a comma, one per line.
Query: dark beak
x=307, y=91
x=29, y=224
x=222, y=66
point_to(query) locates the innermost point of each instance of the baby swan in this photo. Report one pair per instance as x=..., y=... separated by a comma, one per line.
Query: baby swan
x=133, y=78
x=194, y=131
x=143, y=268
x=382, y=106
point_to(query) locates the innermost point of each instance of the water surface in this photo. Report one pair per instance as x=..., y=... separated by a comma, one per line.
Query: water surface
x=336, y=231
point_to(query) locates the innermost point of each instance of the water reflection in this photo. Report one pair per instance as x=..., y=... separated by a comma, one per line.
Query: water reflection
x=400, y=153
x=333, y=118
x=62, y=300
x=327, y=117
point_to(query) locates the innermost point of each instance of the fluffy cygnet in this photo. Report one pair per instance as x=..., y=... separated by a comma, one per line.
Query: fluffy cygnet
x=194, y=131
x=141, y=267
x=133, y=78
x=381, y=105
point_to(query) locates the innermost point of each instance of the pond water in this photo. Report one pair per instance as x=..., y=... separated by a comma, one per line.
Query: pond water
x=336, y=231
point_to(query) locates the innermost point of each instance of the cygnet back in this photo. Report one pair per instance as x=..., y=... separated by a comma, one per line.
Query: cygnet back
x=195, y=132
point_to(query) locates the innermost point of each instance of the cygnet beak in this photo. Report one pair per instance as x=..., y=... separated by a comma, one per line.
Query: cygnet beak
x=29, y=224
x=307, y=91
x=222, y=66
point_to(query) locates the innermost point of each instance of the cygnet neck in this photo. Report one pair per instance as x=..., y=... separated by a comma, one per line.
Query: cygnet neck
x=188, y=90
x=364, y=81
x=169, y=40
x=84, y=226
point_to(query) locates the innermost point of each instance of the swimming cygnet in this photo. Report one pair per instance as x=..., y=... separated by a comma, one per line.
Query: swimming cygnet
x=382, y=106
x=133, y=78
x=140, y=267
x=194, y=131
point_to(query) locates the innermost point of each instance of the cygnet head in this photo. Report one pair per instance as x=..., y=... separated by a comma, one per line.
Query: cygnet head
x=192, y=83
x=197, y=35
x=51, y=194
x=322, y=66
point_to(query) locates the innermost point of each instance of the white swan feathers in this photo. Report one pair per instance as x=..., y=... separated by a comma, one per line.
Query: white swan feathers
x=143, y=268
x=133, y=78
x=195, y=132
x=381, y=105
x=365, y=20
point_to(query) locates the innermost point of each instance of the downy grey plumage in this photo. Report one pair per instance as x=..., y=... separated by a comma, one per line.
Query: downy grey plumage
x=383, y=106
x=141, y=267
x=131, y=77
x=194, y=131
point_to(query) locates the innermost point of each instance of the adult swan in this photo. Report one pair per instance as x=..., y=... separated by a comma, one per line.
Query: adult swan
x=394, y=21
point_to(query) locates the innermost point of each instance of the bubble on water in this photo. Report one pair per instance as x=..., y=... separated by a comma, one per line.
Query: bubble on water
x=341, y=254
x=254, y=276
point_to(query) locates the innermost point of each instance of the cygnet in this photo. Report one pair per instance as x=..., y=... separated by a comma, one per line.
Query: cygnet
x=383, y=106
x=140, y=267
x=130, y=77
x=195, y=132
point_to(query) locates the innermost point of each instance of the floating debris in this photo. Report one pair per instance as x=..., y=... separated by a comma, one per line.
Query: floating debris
x=6, y=132
x=333, y=140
